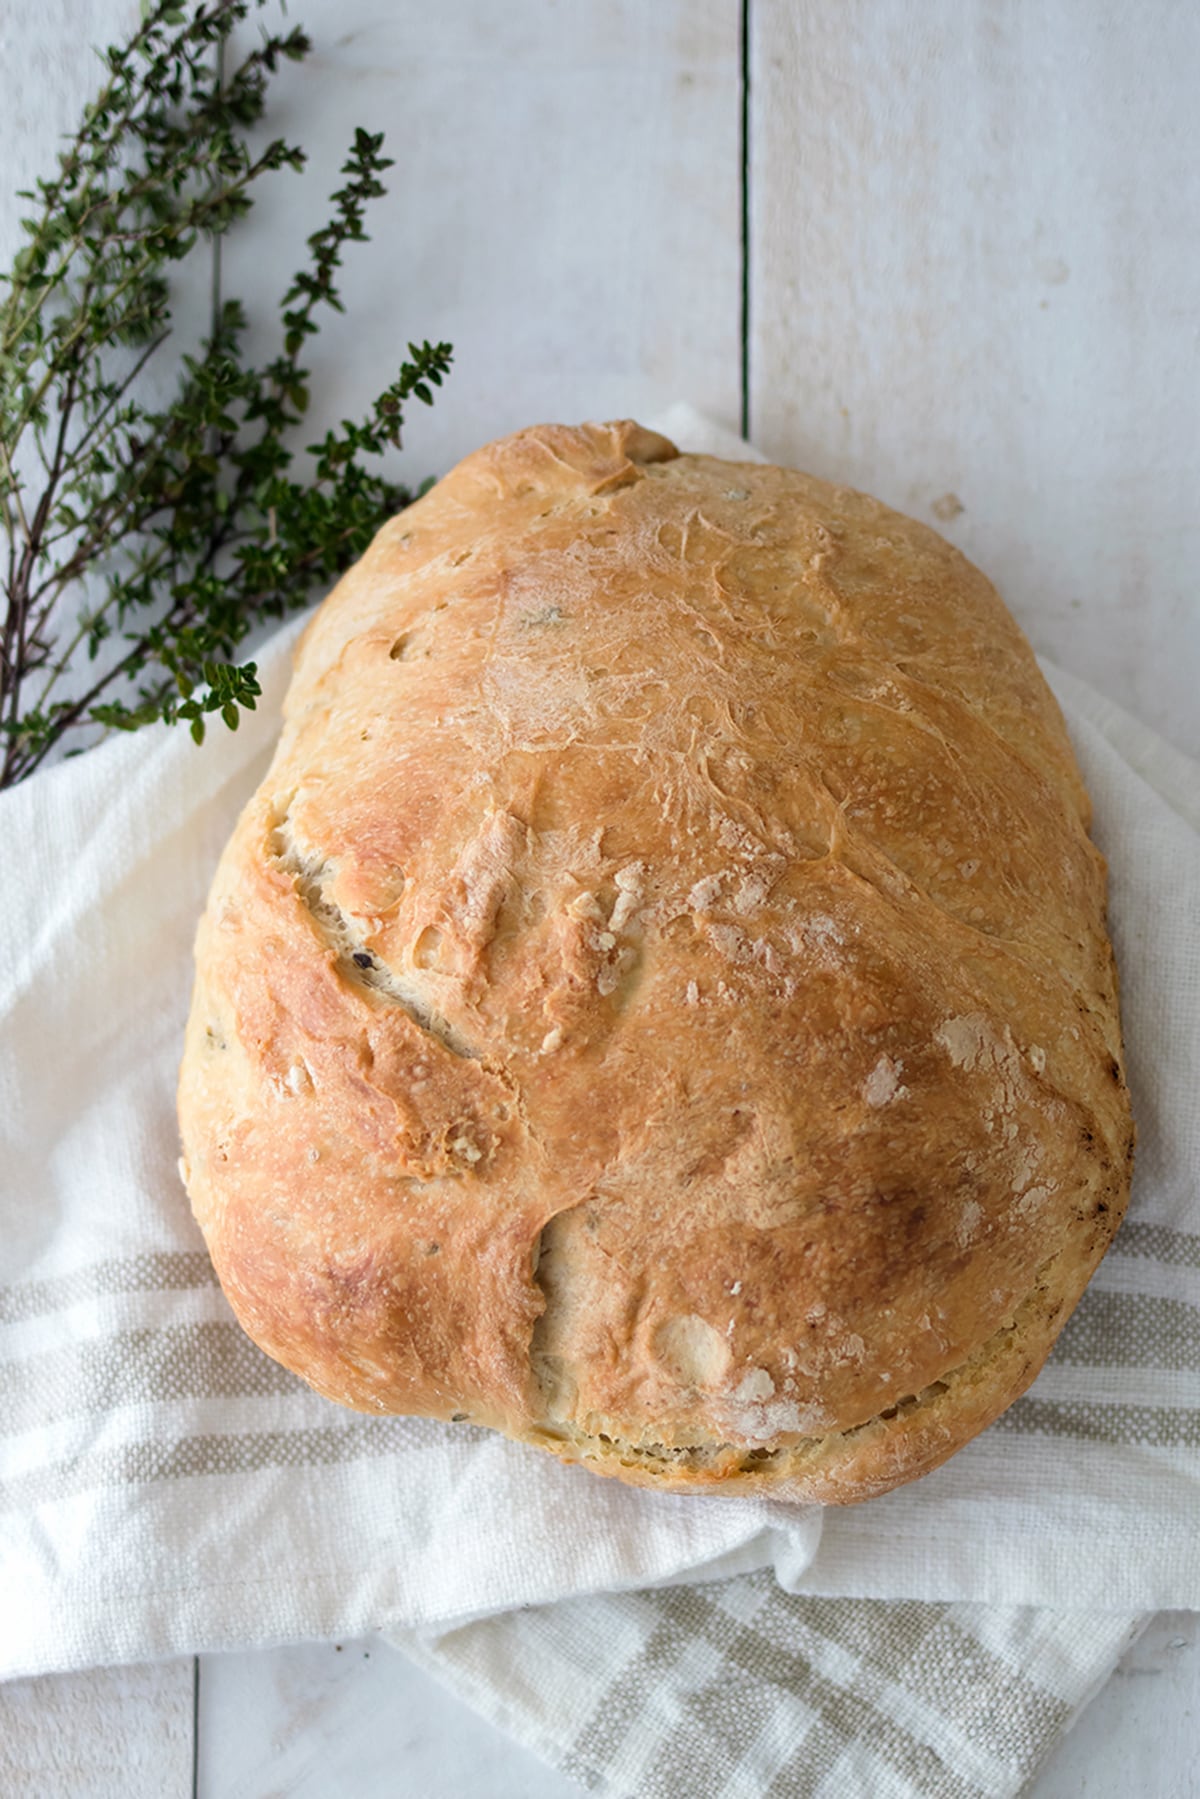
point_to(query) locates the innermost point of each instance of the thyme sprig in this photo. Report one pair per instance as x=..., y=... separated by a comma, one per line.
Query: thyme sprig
x=187, y=524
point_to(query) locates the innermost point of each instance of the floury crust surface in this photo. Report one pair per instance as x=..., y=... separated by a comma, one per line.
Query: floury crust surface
x=658, y=1002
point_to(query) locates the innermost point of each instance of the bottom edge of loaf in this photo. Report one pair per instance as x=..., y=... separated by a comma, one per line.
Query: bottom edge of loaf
x=905, y=1440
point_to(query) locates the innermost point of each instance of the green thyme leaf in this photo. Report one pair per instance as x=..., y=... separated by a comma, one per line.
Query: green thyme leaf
x=187, y=524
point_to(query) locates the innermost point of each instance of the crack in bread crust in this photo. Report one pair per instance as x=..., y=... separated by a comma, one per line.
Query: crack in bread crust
x=902, y=1441
x=362, y=967
x=700, y=1455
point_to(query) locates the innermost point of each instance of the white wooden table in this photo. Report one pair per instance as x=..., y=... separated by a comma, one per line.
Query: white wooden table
x=942, y=249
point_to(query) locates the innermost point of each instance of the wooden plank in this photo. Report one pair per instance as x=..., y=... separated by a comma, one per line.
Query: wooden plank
x=107, y=1733
x=564, y=208
x=974, y=284
x=122, y=1733
x=355, y=1718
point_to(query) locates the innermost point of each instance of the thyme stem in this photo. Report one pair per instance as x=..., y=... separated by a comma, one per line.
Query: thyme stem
x=191, y=521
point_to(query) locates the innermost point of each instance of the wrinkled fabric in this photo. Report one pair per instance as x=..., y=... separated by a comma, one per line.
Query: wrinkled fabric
x=165, y=1488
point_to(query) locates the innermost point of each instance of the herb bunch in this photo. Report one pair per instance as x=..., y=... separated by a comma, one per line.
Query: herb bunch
x=188, y=523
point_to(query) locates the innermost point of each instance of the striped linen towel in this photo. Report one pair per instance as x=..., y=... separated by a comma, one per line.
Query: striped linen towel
x=740, y=1690
x=165, y=1488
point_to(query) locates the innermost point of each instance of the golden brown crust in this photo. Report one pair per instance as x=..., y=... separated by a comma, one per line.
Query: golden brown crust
x=658, y=1003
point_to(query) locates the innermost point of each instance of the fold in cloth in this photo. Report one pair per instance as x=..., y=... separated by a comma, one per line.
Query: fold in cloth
x=742, y=1689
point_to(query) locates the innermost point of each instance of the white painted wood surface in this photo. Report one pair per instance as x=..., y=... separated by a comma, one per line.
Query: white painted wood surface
x=1138, y=1739
x=352, y=1718
x=564, y=208
x=972, y=279
x=975, y=290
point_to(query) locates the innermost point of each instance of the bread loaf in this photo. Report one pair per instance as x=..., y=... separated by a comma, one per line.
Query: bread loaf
x=658, y=1003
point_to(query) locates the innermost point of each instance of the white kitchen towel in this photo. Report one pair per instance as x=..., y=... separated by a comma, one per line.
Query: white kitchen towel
x=164, y=1487
x=739, y=1690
